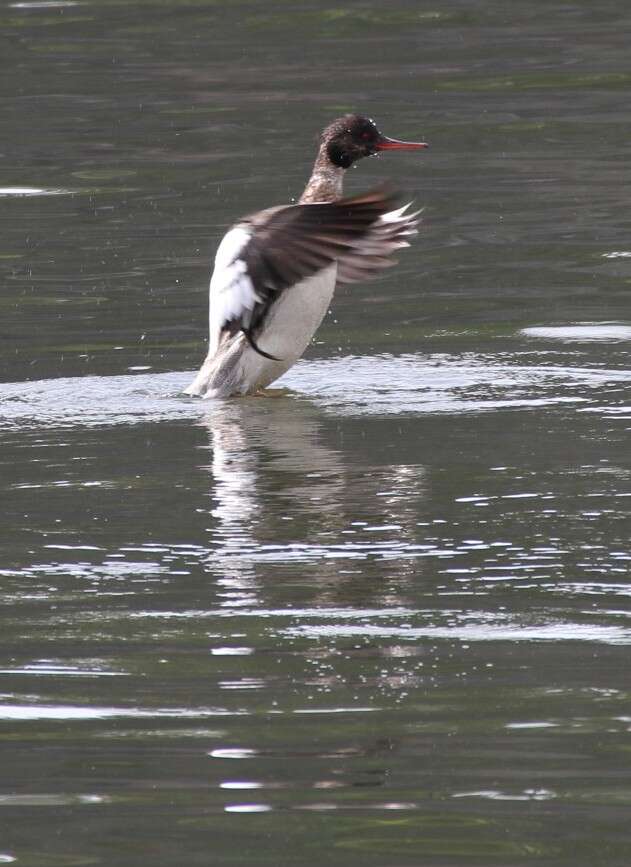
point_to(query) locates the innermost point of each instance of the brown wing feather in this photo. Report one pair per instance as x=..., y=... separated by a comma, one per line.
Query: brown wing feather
x=291, y=243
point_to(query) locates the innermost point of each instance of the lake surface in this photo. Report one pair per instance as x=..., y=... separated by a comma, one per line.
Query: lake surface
x=382, y=617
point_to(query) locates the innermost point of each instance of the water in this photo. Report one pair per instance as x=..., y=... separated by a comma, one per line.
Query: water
x=380, y=617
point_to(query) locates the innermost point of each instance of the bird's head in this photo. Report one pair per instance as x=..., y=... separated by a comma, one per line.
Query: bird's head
x=352, y=137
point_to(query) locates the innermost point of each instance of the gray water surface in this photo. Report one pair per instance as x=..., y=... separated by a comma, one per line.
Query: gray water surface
x=381, y=616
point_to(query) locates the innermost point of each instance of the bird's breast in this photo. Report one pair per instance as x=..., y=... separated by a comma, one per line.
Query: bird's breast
x=295, y=316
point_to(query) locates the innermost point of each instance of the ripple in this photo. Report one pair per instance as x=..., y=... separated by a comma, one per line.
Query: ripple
x=490, y=628
x=51, y=800
x=352, y=386
x=27, y=712
x=408, y=624
x=241, y=784
x=497, y=795
x=49, y=668
x=440, y=383
x=34, y=191
x=586, y=333
x=233, y=753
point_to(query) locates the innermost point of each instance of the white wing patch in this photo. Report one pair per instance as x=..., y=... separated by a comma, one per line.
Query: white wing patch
x=406, y=221
x=372, y=250
x=232, y=294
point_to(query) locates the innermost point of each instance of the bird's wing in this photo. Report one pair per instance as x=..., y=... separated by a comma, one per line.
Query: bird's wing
x=271, y=251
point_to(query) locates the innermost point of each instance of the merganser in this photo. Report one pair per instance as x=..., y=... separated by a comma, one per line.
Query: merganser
x=276, y=270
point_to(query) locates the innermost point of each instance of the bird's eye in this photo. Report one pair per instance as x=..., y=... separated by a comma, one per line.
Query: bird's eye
x=365, y=136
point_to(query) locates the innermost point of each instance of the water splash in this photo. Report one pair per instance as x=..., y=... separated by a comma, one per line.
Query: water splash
x=352, y=386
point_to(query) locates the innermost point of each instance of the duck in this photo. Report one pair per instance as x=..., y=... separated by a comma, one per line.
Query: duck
x=276, y=270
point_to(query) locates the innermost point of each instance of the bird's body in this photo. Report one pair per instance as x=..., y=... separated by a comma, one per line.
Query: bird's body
x=237, y=368
x=275, y=271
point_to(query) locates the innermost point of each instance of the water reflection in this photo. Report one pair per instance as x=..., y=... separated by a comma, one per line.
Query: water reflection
x=263, y=452
x=322, y=601
x=283, y=494
x=269, y=465
x=275, y=485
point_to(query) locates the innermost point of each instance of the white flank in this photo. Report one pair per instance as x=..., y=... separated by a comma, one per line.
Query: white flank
x=232, y=294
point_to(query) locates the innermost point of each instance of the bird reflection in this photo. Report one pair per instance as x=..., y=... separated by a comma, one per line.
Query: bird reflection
x=285, y=497
x=269, y=450
x=275, y=484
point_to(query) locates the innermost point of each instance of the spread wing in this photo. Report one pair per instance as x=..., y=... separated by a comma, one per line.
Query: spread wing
x=269, y=252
